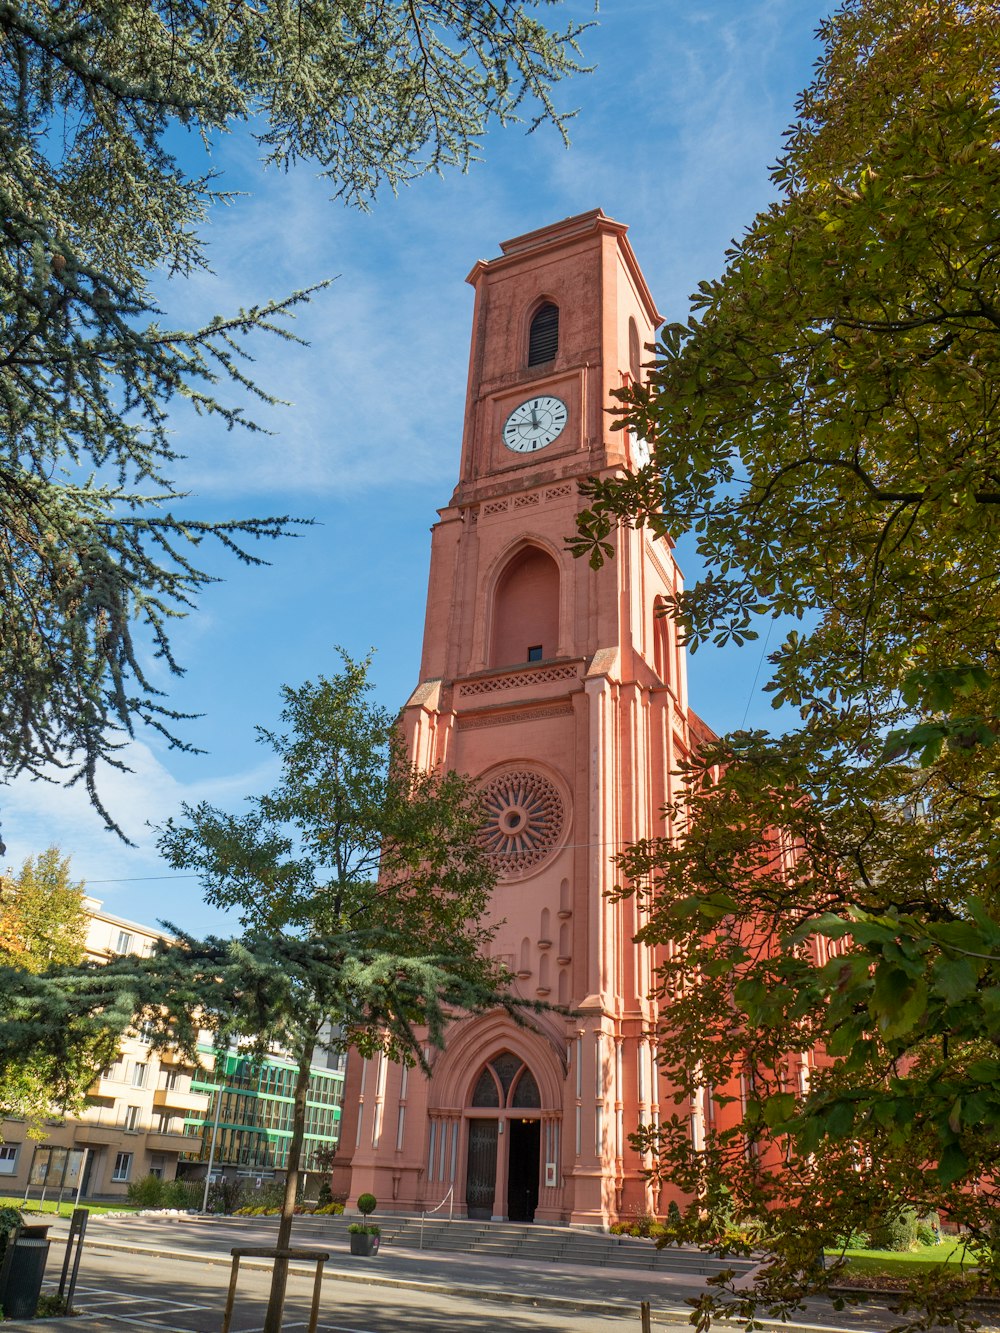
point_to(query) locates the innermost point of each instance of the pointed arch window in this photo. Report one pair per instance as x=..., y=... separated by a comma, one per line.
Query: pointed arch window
x=485, y=1092
x=505, y=1072
x=543, y=336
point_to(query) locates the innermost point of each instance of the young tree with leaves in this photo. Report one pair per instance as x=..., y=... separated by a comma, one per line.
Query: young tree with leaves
x=826, y=428
x=43, y=920
x=43, y=924
x=363, y=889
x=96, y=553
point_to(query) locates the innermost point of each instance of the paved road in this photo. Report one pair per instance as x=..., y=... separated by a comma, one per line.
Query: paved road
x=152, y=1273
x=188, y=1297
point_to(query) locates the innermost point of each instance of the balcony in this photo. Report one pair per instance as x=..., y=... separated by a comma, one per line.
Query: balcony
x=97, y=1136
x=160, y=1141
x=522, y=684
x=181, y=1099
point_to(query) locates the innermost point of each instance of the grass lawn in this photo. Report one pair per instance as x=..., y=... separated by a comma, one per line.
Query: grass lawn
x=889, y=1263
x=66, y=1208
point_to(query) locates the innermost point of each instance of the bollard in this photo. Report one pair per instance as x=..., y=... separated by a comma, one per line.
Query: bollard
x=644, y=1316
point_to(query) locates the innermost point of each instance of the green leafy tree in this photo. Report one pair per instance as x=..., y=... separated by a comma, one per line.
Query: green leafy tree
x=826, y=429
x=96, y=555
x=363, y=890
x=43, y=920
x=43, y=924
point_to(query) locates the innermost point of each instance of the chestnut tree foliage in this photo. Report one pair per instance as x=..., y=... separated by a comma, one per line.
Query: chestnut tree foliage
x=827, y=429
x=97, y=555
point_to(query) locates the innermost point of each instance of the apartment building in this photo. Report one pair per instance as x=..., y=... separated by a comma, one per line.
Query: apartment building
x=133, y=1124
x=154, y=1112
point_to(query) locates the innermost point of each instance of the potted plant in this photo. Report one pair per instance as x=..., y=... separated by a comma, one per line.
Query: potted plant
x=364, y=1238
x=365, y=1235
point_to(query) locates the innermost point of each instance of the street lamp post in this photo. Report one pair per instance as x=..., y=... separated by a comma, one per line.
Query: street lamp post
x=215, y=1135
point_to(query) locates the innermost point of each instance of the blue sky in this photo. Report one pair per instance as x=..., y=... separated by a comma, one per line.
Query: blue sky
x=676, y=130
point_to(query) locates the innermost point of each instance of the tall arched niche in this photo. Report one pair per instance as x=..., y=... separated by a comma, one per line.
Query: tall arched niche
x=526, y=609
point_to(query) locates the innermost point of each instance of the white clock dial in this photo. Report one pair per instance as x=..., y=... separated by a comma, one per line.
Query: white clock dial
x=534, y=424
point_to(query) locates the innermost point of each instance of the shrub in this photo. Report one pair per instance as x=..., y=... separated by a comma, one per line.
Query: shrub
x=10, y=1220
x=854, y=1239
x=147, y=1192
x=897, y=1230
x=330, y=1210
x=182, y=1194
x=325, y=1194
x=268, y=1197
x=673, y=1213
x=365, y=1228
x=367, y=1203
x=225, y=1196
x=50, y=1305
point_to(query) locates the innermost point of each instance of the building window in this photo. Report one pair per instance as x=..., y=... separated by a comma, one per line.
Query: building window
x=634, y=354
x=123, y=1167
x=131, y=1121
x=124, y=941
x=535, y=653
x=139, y=1075
x=543, y=336
x=8, y=1159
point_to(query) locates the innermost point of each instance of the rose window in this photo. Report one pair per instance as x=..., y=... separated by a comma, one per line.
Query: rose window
x=524, y=820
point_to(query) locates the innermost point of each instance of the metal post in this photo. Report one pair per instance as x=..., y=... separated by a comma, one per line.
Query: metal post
x=83, y=1172
x=215, y=1135
x=77, y=1231
x=644, y=1316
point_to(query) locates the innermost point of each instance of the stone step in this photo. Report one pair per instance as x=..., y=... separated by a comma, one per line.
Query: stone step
x=539, y=1243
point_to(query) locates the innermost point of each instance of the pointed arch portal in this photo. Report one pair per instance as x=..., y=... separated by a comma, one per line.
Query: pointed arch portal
x=504, y=1141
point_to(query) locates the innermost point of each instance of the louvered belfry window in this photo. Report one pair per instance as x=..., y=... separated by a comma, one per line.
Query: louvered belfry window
x=543, y=338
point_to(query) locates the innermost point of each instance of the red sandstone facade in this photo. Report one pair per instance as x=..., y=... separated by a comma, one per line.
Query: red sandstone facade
x=563, y=692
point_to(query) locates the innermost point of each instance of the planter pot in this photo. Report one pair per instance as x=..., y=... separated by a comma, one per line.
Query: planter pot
x=364, y=1243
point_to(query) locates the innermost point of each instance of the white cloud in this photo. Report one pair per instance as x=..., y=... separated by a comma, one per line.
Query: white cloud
x=132, y=881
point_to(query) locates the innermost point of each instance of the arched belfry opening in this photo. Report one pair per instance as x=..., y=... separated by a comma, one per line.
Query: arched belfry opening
x=543, y=335
x=504, y=1158
x=526, y=609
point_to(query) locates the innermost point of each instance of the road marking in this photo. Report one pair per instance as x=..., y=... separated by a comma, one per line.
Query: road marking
x=334, y=1328
x=166, y=1306
x=143, y=1323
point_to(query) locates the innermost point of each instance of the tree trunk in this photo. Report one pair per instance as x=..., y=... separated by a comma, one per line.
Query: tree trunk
x=279, y=1277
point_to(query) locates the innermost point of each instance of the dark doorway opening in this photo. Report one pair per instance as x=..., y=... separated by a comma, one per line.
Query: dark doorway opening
x=522, y=1169
x=481, y=1176
x=88, y=1171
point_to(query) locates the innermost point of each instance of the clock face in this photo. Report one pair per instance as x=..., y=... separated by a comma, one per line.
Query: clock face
x=534, y=423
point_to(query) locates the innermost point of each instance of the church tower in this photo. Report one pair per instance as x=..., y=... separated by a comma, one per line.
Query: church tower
x=559, y=688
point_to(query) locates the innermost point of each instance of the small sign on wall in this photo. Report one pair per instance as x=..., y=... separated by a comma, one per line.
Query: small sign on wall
x=550, y=1174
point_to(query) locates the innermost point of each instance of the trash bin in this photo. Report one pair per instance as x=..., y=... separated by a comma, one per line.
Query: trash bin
x=22, y=1272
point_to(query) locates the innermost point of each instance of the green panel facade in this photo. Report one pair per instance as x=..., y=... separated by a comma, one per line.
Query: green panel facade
x=255, y=1116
